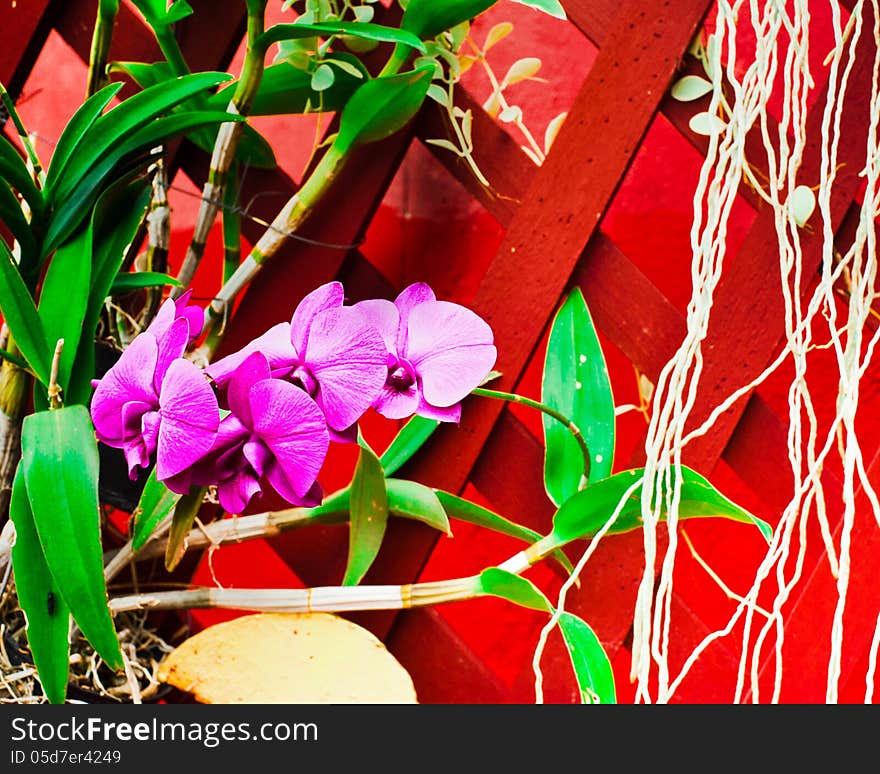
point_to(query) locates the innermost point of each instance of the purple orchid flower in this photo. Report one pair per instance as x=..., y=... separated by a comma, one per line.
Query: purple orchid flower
x=438, y=352
x=174, y=309
x=274, y=431
x=154, y=401
x=329, y=350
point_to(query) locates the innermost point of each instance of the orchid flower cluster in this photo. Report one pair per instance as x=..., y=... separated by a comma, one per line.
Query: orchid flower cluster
x=267, y=413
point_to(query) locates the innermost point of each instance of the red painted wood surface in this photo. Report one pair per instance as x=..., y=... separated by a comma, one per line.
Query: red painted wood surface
x=544, y=230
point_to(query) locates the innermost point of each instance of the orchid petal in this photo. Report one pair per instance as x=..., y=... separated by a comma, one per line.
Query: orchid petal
x=292, y=426
x=348, y=435
x=166, y=315
x=194, y=315
x=254, y=368
x=274, y=344
x=328, y=296
x=441, y=414
x=451, y=349
x=172, y=344
x=130, y=379
x=190, y=419
x=397, y=404
x=236, y=492
x=409, y=298
x=384, y=317
x=348, y=359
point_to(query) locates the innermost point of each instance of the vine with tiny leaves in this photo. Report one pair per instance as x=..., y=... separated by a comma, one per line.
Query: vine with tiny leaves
x=262, y=418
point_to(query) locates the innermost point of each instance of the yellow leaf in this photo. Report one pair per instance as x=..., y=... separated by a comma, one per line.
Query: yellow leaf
x=287, y=658
x=552, y=130
x=521, y=70
x=497, y=33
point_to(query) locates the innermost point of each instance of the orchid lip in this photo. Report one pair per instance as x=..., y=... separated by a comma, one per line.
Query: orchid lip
x=401, y=375
x=302, y=377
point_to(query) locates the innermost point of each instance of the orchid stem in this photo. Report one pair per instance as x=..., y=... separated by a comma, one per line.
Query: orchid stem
x=101, y=38
x=226, y=145
x=288, y=220
x=54, y=390
x=545, y=409
x=291, y=217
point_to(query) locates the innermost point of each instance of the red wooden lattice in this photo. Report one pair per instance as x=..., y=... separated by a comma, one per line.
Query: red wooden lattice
x=552, y=218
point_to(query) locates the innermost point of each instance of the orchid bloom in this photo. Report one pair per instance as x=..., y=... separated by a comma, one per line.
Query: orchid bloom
x=438, y=352
x=329, y=350
x=174, y=309
x=274, y=431
x=153, y=401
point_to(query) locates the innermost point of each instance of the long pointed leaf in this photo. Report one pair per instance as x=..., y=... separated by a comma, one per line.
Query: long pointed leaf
x=156, y=502
x=113, y=224
x=409, y=439
x=589, y=660
x=428, y=18
x=416, y=501
x=575, y=383
x=15, y=172
x=584, y=514
x=382, y=106
x=46, y=613
x=11, y=214
x=185, y=511
x=363, y=30
x=369, y=516
x=136, y=280
x=513, y=588
x=75, y=207
x=64, y=298
x=59, y=457
x=130, y=115
x=21, y=316
x=73, y=134
x=464, y=510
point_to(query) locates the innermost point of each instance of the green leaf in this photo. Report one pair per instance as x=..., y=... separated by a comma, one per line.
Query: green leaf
x=12, y=215
x=381, y=107
x=253, y=149
x=185, y=512
x=15, y=172
x=464, y=510
x=585, y=513
x=135, y=280
x=59, y=457
x=552, y=7
x=74, y=132
x=416, y=501
x=112, y=226
x=322, y=78
x=117, y=125
x=364, y=31
x=155, y=504
x=592, y=668
x=576, y=384
x=157, y=14
x=64, y=299
x=47, y=615
x=369, y=516
x=427, y=18
x=513, y=588
x=286, y=90
x=409, y=439
x=21, y=316
x=137, y=151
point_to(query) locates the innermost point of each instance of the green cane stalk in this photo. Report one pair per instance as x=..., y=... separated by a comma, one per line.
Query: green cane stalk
x=101, y=37
x=227, y=141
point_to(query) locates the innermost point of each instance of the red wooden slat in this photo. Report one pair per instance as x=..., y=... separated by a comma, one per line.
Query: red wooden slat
x=26, y=25
x=442, y=666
